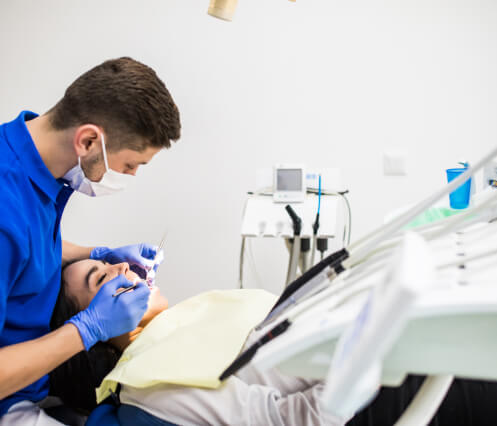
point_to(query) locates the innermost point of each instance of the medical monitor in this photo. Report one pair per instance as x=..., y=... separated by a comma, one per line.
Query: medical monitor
x=289, y=183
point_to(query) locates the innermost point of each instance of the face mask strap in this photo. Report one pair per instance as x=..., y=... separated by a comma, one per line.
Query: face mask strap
x=104, y=152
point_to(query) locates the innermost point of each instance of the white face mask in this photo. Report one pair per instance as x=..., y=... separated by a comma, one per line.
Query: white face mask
x=110, y=183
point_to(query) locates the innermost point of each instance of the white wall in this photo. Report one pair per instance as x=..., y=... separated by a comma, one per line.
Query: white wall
x=326, y=83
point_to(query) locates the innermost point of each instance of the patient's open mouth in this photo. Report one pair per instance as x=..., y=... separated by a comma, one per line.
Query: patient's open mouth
x=150, y=283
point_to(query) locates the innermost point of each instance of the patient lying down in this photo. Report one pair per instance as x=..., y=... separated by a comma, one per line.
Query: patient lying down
x=251, y=397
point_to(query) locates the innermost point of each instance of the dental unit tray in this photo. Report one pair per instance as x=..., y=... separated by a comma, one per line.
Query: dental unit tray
x=448, y=332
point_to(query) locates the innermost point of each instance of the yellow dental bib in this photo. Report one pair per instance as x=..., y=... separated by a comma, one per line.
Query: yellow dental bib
x=191, y=343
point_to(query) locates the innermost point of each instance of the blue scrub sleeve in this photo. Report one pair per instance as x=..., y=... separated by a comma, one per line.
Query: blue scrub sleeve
x=13, y=261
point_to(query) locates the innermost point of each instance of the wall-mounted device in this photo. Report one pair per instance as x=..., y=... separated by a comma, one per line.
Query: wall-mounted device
x=289, y=183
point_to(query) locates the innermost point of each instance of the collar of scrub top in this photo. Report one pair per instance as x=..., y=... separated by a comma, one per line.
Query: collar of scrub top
x=19, y=139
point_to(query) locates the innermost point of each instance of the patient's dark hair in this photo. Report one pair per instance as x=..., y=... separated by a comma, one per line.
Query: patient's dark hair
x=75, y=380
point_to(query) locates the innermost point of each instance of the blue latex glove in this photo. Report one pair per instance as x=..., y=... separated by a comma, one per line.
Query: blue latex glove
x=139, y=256
x=109, y=316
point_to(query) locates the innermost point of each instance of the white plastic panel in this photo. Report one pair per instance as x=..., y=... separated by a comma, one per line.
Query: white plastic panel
x=265, y=218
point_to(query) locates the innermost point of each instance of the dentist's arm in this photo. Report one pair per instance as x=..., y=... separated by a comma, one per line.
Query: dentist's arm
x=23, y=363
x=72, y=252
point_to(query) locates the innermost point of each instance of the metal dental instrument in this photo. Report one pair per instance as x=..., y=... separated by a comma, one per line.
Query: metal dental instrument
x=161, y=245
x=125, y=289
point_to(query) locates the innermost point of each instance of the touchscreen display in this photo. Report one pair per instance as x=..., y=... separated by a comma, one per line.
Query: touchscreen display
x=289, y=179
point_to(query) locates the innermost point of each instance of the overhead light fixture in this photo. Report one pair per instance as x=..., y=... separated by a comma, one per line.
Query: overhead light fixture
x=224, y=9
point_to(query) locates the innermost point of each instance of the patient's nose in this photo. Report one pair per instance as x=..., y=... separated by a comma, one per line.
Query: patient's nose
x=122, y=268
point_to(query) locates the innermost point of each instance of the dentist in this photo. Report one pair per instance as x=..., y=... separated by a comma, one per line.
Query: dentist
x=111, y=120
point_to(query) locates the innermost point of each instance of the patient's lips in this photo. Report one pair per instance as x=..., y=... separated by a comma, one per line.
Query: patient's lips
x=150, y=283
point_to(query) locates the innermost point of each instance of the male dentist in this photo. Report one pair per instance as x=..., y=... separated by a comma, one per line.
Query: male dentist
x=111, y=120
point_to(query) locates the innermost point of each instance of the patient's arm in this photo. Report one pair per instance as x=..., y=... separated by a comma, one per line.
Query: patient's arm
x=24, y=363
x=72, y=251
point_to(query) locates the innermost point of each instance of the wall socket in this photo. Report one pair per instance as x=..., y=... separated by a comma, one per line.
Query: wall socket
x=394, y=163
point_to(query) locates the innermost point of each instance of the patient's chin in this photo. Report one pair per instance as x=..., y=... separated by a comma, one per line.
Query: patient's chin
x=157, y=301
x=156, y=304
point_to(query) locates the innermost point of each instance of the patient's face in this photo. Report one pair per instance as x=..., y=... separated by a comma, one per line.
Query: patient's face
x=85, y=278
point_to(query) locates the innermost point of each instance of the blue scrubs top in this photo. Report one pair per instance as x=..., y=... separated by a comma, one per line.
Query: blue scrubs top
x=32, y=202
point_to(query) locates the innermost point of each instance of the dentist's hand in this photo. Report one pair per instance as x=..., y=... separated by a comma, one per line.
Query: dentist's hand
x=139, y=256
x=150, y=275
x=108, y=316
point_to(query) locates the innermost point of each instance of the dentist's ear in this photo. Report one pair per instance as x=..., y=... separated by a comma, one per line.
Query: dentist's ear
x=86, y=138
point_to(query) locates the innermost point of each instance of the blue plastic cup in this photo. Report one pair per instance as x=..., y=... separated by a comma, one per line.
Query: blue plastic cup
x=459, y=198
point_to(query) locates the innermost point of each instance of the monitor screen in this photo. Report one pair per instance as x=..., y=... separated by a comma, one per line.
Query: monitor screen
x=289, y=180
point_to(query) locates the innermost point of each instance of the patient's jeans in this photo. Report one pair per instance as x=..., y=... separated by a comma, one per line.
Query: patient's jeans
x=129, y=415
x=251, y=397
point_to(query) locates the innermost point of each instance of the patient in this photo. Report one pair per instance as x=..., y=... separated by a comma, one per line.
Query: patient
x=249, y=397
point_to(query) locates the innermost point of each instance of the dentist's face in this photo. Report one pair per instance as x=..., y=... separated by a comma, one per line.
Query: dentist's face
x=90, y=144
x=85, y=278
x=125, y=161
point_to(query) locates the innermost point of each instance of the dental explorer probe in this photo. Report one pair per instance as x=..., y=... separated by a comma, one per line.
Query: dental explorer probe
x=342, y=259
x=123, y=290
x=159, y=248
